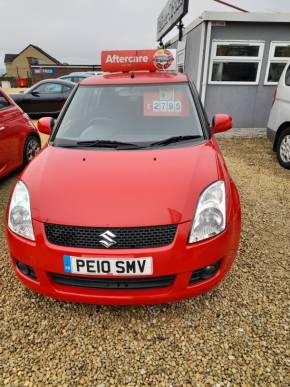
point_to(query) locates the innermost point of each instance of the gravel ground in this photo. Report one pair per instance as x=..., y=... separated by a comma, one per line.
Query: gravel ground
x=236, y=335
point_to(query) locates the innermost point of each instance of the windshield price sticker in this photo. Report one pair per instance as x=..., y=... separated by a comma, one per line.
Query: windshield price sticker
x=166, y=107
x=167, y=103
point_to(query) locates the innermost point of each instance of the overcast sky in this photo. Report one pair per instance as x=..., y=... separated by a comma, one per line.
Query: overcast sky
x=75, y=31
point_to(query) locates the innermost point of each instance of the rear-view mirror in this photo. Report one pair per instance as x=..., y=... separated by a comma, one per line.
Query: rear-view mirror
x=222, y=123
x=45, y=125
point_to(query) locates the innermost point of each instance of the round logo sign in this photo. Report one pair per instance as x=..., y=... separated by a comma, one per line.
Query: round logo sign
x=162, y=59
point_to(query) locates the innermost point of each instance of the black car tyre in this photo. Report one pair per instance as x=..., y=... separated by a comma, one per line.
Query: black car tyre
x=283, y=148
x=31, y=148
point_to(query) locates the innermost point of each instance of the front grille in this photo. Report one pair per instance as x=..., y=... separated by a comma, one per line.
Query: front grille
x=113, y=283
x=125, y=238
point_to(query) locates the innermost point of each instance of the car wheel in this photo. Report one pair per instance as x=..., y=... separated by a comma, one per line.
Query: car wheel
x=283, y=148
x=31, y=148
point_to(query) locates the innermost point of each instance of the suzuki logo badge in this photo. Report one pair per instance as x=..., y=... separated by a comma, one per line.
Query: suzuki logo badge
x=107, y=240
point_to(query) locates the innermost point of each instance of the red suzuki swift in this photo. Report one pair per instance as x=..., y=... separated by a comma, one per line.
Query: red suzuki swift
x=131, y=201
x=19, y=139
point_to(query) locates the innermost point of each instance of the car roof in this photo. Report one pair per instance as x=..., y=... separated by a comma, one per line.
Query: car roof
x=84, y=73
x=69, y=76
x=3, y=92
x=55, y=80
x=138, y=78
x=73, y=75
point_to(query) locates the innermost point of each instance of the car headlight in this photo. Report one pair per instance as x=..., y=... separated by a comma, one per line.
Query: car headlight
x=210, y=214
x=19, y=216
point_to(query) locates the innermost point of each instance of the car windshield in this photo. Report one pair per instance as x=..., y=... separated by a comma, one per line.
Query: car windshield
x=138, y=114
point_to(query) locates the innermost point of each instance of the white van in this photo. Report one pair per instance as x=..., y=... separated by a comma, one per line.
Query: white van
x=278, y=129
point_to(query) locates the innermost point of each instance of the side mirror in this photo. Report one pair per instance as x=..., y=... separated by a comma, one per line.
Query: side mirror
x=35, y=93
x=222, y=123
x=45, y=125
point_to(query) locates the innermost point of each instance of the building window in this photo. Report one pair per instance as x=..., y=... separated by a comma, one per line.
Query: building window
x=3, y=103
x=36, y=62
x=279, y=55
x=180, y=62
x=236, y=62
x=181, y=56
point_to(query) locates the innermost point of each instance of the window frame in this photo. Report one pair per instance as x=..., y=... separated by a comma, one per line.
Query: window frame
x=64, y=89
x=285, y=78
x=180, y=56
x=45, y=84
x=67, y=78
x=273, y=59
x=236, y=59
x=8, y=102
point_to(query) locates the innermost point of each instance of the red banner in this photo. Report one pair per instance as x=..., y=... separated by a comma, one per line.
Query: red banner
x=136, y=60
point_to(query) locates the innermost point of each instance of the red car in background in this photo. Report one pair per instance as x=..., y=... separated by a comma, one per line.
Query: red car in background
x=19, y=139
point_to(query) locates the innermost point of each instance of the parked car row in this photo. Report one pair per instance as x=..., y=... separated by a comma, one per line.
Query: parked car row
x=19, y=139
x=143, y=129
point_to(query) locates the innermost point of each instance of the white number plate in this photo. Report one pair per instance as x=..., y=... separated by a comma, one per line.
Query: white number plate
x=108, y=266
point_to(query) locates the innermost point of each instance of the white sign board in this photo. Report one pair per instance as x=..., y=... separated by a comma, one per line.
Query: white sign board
x=171, y=14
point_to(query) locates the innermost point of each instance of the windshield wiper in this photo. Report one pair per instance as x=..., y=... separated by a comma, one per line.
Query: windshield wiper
x=63, y=145
x=108, y=144
x=174, y=139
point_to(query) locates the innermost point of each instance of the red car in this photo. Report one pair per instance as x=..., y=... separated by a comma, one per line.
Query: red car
x=131, y=201
x=19, y=139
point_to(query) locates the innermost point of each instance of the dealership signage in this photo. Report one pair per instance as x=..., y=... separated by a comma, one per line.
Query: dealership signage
x=43, y=70
x=136, y=60
x=171, y=14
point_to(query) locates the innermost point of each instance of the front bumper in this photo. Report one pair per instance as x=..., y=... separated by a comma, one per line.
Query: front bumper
x=178, y=259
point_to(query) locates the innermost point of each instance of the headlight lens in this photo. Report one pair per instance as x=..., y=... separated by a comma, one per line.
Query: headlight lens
x=19, y=217
x=210, y=215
